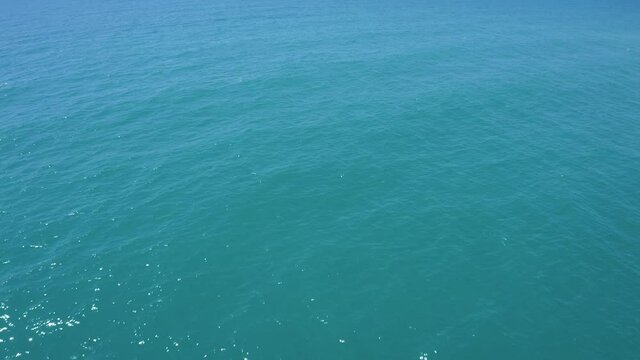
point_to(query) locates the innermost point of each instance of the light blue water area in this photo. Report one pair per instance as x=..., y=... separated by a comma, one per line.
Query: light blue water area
x=319, y=180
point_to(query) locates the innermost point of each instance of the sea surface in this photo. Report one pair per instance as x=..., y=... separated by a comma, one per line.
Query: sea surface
x=282, y=179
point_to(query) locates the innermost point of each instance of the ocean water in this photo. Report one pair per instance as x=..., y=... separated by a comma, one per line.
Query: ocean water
x=319, y=180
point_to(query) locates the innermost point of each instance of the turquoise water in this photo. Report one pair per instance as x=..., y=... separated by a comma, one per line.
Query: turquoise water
x=319, y=180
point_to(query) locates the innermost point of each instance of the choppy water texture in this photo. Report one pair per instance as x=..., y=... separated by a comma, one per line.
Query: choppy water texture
x=319, y=180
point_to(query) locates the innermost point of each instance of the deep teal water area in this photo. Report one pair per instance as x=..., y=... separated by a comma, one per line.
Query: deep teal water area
x=319, y=180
